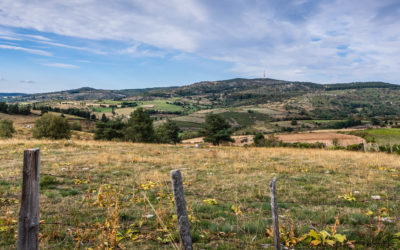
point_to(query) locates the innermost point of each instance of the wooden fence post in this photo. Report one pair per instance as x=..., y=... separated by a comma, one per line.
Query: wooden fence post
x=180, y=205
x=275, y=218
x=365, y=146
x=28, y=222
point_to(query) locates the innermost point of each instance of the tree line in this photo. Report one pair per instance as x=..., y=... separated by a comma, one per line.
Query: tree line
x=15, y=109
x=71, y=111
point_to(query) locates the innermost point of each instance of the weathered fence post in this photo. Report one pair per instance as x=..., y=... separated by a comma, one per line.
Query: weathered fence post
x=180, y=205
x=365, y=146
x=28, y=222
x=275, y=218
x=391, y=148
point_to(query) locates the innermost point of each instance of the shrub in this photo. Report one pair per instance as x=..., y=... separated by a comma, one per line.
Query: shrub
x=190, y=135
x=6, y=129
x=259, y=140
x=355, y=147
x=76, y=126
x=52, y=127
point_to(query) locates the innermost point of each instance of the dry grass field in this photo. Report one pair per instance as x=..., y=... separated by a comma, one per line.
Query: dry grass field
x=97, y=195
x=324, y=137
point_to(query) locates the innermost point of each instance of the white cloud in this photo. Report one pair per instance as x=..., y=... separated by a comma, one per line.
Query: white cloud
x=37, y=37
x=153, y=22
x=61, y=65
x=32, y=51
x=253, y=36
x=95, y=51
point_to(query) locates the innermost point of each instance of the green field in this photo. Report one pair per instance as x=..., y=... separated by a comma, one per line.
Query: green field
x=382, y=136
x=101, y=109
x=161, y=105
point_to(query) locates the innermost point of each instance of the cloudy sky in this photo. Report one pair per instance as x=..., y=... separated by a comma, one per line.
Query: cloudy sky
x=48, y=45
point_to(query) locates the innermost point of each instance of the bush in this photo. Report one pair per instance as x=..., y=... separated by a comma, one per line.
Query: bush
x=355, y=147
x=6, y=129
x=259, y=140
x=76, y=126
x=52, y=127
x=190, y=135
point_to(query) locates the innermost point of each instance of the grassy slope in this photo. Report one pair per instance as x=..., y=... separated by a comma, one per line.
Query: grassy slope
x=382, y=136
x=231, y=175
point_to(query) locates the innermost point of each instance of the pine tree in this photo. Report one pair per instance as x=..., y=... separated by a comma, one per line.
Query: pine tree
x=216, y=129
x=140, y=127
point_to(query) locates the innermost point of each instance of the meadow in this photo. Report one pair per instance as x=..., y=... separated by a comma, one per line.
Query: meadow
x=382, y=136
x=97, y=194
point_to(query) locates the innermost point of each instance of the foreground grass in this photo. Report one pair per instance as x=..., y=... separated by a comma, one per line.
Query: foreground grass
x=107, y=194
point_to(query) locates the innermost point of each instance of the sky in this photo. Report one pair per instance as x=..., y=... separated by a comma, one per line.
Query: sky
x=49, y=45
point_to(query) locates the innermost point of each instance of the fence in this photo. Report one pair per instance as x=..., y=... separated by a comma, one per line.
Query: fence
x=29, y=221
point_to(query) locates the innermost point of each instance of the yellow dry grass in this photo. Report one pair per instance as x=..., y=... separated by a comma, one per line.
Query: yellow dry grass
x=306, y=176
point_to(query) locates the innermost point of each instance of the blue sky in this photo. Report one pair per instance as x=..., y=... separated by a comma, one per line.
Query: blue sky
x=54, y=45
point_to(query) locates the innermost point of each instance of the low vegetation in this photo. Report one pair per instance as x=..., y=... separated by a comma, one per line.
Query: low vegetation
x=98, y=194
x=6, y=129
x=52, y=127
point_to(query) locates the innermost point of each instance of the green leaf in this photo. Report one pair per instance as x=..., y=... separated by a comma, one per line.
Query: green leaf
x=330, y=242
x=340, y=237
x=314, y=234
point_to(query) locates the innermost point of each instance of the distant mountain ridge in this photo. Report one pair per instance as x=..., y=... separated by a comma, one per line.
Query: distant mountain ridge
x=232, y=88
x=11, y=94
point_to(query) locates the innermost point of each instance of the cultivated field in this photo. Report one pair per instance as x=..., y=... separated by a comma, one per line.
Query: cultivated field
x=108, y=194
x=327, y=138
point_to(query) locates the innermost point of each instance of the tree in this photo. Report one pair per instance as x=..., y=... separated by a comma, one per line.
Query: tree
x=52, y=127
x=293, y=123
x=76, y=126
x=259, y=140
x=140, y=127
x=6, y=129
x=104, y=118
x=168, y=132
x=3, y=107
x=93, y=117
x=216, y=129
x=110, y=130
x=375, y=121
